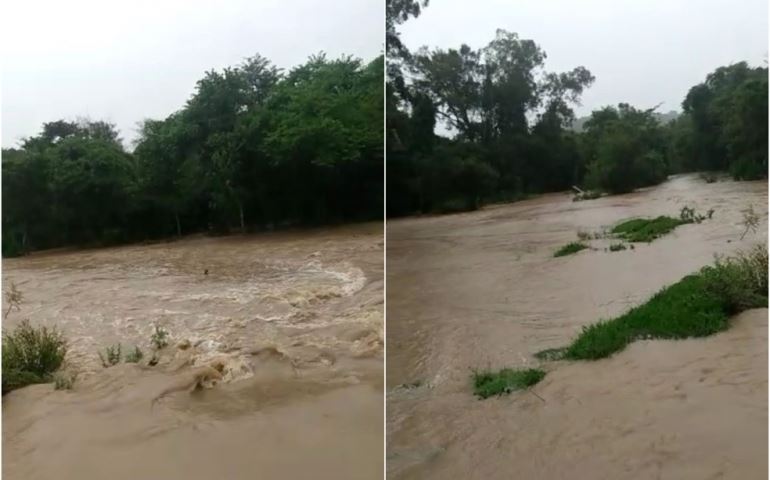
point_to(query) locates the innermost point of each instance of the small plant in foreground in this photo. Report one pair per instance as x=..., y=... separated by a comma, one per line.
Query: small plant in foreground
x=616, y=247
x=64, y=380
x=570, y=248
x=13, y=299
x=750, y=220
x=134, y=356
x=112, y=355
x=488, y=383
x=159, y=338
x=31, y=355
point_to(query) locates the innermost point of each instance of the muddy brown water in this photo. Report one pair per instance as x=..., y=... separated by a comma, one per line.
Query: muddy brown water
x=297, y=318
x=483, y=289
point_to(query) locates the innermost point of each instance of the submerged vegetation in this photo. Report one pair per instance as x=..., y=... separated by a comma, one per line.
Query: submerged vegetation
x=488, y=383
x=512, y=129
x=570, y=248
x=253, y=148
x=698, y=305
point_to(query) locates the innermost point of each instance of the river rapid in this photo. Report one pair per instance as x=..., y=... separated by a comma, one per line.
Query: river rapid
x=482, y=289
x=295, y=317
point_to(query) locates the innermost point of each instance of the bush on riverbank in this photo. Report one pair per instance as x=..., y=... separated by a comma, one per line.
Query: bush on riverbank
x=31, y=355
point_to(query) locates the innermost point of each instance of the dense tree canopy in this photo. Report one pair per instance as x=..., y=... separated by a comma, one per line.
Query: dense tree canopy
x=511, y=126
x=252, y=148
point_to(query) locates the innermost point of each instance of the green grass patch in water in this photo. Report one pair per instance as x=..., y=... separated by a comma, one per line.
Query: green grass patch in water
x=489, y=383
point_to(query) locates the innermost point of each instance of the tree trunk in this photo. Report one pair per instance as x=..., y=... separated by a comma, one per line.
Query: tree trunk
x=240, y=211
x=178, y=225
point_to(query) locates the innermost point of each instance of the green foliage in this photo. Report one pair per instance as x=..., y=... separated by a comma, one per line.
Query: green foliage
x=31, y=355
x=741, y=281
x=112, y=355
x=646, y=230
x=616, y=247
x=729, y=121
x=683, y=310
x=624, y=149
x=509, y=117
x=134, y=356
x=696, y=306
x=252, y=148
x=488, y=383
x=159, y=338
x=570, y=248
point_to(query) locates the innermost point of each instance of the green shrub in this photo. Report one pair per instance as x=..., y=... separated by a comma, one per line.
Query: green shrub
x=134, y=356
x=159, y=338
x=489, y=383
x=570, y=248
x=31, y=355
x=112, y=355
x=741, y=281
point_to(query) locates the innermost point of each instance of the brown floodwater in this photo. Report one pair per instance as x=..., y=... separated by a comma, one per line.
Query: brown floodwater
x=296, y=318
x=483, y=289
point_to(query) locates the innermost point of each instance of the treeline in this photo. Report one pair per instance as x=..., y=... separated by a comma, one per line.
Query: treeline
x=511, y=121
x=253, y=148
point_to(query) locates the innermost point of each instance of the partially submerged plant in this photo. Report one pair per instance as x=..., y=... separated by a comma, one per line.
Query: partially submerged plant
x=64, y=380
x=134, y=356
x=13, y=299
x=112, y=355
x=488, y=383
x=159, y=338
x=570, y=248
x=750, y=220
x=31, y=355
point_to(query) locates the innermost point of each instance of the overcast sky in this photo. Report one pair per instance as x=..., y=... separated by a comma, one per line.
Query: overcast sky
x=641, y=52
x=127, y=61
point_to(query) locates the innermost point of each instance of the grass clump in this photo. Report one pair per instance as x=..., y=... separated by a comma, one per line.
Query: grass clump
x=488, y=383
x=696, y=306
x=31, y=355
x=570, y=248
x=112, y=355
x=646, y=230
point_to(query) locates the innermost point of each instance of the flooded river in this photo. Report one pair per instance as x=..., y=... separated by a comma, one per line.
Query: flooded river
x=483, y=289
x=296, y=319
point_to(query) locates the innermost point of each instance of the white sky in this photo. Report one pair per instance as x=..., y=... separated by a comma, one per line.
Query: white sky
x=127, y=61
x=641, y=52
